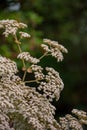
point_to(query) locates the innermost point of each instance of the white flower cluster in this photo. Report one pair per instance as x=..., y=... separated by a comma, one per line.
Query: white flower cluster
x=53, y=85
x=23, y=107
x=73, y=122
x=45, y=48
x=24, y=35
x=7, y=67
x=11, y=26
x=81, y=115
x=70, y=122
x=18, y=100
x=27, y=57
x=64, y=123
x=54, y=48
x=37, y=72
x=4, y=122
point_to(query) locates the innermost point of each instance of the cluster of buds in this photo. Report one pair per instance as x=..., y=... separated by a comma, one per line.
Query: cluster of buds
x=52, y=86
x=54, y=48
x=11, y=26
x=70, y=122
x=23, y=107
x=27, y=57
x=37, y=72
x=7, y=67
x=82, y=116
x=24, y=35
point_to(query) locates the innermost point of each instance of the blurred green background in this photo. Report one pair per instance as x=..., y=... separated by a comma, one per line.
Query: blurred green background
x=64, y=21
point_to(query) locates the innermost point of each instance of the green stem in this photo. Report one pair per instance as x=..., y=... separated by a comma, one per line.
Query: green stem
x=43, y=55
x=31, y=81
x=19, y=48
x=20, y=51
x=48, y=55
x=24, y=75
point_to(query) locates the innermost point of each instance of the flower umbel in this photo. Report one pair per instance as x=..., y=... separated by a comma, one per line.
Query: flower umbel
x=54, y=48
x=27, y=57
x=11, y=26
x=24, y=35
x=23, y=107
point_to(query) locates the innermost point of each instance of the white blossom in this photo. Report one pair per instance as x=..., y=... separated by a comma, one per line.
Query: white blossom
x=74, y=124
x=24, y=107
x=11, y=26
x=27, y=57
x=54, y=48
x=53, y=85
x=24, y=35
x=38, y=72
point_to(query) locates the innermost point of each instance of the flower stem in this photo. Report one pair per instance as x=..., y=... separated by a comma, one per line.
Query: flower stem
x=43, y=55
x=31, y=81
x=25, y=72
x=20, y=51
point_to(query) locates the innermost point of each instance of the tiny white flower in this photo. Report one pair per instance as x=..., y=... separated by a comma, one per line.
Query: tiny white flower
x=24, y=35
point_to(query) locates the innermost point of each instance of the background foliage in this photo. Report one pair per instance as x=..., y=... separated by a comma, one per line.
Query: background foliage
x=64, y=21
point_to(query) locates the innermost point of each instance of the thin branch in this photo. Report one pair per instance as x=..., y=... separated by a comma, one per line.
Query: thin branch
x=25, y=72
x=31, y=81
x=20, y=51
x=43, y=55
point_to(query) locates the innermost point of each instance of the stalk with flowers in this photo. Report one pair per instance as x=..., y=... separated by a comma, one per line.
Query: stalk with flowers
x=24, y=107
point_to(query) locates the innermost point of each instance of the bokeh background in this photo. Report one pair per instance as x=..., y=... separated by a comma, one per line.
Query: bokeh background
x=64, y=21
